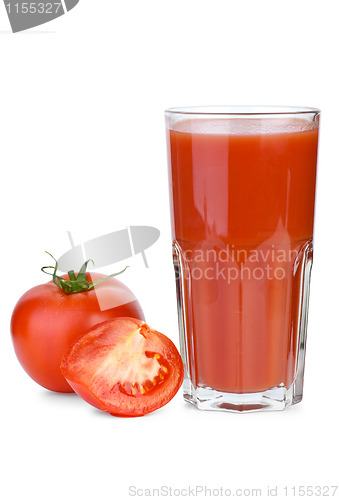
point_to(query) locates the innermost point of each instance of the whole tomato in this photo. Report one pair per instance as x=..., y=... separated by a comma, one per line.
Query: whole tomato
x=46, y=320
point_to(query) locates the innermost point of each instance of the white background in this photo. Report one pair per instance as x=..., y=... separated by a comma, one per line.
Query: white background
x=83, y=149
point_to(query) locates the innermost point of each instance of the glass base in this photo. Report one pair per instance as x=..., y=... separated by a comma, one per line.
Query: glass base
x=276, y=398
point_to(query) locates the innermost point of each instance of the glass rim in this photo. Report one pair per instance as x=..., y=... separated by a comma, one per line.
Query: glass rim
x=242, y=110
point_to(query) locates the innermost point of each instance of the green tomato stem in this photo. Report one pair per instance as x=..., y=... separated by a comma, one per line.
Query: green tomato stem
x=76, y=283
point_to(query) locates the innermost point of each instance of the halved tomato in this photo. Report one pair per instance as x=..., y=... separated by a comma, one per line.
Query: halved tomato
x=124, y=367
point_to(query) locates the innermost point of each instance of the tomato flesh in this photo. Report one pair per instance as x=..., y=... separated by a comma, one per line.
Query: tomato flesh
x=124, y=367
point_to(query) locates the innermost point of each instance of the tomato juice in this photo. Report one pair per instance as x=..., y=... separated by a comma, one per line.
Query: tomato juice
x=242, y=201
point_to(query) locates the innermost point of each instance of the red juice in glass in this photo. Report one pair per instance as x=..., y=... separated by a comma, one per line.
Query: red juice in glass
x=242, y=189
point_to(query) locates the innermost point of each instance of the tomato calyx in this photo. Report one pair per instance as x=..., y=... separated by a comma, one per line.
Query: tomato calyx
x=76, y=283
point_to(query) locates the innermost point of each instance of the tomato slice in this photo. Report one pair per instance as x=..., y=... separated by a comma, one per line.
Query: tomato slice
x=124, y=367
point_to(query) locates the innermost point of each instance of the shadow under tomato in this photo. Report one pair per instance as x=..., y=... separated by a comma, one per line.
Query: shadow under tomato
x=105, y=414
x=61, y=396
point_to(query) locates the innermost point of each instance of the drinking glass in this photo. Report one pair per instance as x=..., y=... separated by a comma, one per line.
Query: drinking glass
x=242, y=189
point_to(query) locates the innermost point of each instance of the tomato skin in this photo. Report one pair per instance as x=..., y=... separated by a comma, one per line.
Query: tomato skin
x=46, y=321
x=97, y=350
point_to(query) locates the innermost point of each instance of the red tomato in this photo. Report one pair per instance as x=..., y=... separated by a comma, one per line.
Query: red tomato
x=123, y=367
x=46, y=321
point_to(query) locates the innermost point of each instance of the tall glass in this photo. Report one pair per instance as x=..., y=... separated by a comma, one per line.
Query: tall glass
x=242, y=188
